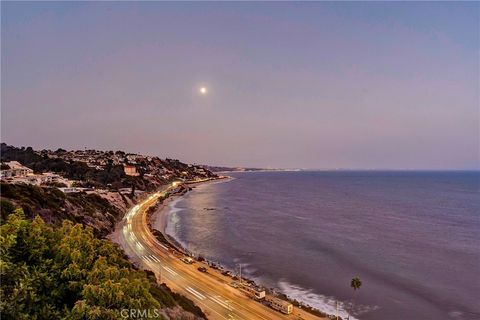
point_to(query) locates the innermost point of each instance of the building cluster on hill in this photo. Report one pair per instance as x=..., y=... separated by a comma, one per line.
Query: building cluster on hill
x=77, y=170
x=15, y=172
x=133, y=164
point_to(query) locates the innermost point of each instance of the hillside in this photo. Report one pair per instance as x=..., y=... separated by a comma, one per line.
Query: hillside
x=54, y=206
x=55, y=263
x=67, y=273
x=105, y=190
x=105, y=169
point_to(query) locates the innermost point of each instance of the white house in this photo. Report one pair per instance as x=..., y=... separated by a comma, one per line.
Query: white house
x=71, y=190
x=16, y=169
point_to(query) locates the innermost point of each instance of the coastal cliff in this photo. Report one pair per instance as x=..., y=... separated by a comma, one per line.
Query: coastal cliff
x=90, y=187
x=38, y=218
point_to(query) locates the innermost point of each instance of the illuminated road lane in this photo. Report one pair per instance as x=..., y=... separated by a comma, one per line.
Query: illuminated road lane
x=210, y=291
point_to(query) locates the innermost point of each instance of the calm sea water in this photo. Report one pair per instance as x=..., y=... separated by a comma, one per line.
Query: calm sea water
x=413, y=238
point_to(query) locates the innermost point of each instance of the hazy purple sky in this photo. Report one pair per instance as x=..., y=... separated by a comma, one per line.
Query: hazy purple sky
x=312, y=85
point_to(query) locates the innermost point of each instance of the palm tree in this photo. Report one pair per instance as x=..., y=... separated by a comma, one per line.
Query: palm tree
x=356, y=283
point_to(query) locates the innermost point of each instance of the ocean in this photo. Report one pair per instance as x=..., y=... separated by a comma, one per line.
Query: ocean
x=413, y=238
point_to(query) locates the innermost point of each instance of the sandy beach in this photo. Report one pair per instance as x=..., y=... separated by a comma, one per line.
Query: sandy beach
x=159, y=219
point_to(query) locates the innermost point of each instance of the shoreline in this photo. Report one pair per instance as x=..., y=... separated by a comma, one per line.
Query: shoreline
x=158, y=222
x=159, y=218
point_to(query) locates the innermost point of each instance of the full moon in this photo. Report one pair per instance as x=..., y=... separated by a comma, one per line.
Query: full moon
x=203, y=90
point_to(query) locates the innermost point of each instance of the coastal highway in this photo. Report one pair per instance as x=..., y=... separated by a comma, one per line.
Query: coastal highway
x=210, y=291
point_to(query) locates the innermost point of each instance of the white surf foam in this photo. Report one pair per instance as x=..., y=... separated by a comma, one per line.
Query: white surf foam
x=248, y=270
x=172, y=220
x=317, y=301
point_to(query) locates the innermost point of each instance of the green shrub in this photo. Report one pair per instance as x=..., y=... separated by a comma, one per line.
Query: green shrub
x=68, y=273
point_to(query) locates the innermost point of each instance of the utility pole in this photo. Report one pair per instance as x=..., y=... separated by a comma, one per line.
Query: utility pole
x=337, y=309
x=240, y=273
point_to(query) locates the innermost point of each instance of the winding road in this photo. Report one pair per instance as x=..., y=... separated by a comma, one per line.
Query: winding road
x=210, y=291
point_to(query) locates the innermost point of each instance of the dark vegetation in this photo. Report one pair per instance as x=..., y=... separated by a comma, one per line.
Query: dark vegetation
x=113, y=175
x=68, y=273
x=109, y=176
x=54, y=206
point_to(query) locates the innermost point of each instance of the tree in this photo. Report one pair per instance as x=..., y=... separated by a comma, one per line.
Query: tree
x=6, y=208
x=355, y=284
x=67, y=273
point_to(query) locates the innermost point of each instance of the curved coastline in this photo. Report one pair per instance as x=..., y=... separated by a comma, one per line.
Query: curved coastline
x=160, y=217
x=162, y=214
x=160, y=221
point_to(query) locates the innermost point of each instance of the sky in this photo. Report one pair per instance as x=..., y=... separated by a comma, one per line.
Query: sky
x=319, y=85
